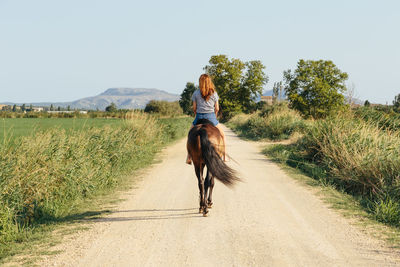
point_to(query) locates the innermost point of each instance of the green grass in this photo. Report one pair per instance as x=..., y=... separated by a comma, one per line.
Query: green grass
x=12, y=128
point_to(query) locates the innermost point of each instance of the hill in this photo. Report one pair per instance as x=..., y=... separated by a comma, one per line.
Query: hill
x=124, y=98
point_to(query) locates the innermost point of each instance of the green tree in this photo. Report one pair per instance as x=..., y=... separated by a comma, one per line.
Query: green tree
x=315, y=88
x=396, y=102
x=366, y=103
x=30, y=107
x=23, y=107
x=51, y=107
x=164, y=108
x=14, y=108
x=111, y=108
x=238, y=83
x=277, y=92
x=252, y=84
x=58, y=108
x=68, y=107
x=186, y=98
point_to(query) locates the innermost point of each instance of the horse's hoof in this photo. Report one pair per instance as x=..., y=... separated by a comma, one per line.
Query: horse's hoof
x=200, y=210
x=209, y=205
x=205, y=214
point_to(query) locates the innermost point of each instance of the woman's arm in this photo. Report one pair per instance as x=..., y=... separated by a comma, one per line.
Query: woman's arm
x=194, y=107
x=216, y=108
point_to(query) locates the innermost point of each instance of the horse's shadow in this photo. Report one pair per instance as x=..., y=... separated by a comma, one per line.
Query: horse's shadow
x=146, y=215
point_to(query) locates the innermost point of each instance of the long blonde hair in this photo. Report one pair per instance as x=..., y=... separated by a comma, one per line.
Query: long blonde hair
x=206, y=85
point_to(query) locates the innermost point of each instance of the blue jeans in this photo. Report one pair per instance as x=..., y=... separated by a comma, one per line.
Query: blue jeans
x=209, y=116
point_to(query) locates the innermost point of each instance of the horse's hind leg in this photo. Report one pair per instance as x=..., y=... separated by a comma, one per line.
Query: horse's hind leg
x=200, y=180
x=209, y=200
x=207, y=184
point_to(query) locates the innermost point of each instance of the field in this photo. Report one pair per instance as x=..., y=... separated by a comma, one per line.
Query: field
x=17, y=127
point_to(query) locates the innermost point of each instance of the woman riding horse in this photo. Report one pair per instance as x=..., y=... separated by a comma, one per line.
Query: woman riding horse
x=205, y=106
x=206, y=144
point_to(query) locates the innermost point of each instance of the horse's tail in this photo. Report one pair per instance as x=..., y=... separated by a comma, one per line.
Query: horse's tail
x=214, y=163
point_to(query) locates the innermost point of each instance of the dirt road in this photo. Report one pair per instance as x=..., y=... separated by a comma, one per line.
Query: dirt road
x=267, y=220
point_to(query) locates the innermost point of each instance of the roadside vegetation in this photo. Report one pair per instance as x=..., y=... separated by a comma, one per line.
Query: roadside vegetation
x=355, y=150
x=276, y=122
x=384, y=118
x=164, y=108
x=46, y=174
x=355, y=155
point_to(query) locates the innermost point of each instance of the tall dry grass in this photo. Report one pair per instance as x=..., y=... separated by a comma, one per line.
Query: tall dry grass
x=357, y=152
x=388, y=119
x=362, y=158
x=42, y=176
x=277, y=122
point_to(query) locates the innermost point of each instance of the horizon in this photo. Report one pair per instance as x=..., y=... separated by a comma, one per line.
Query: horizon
x=55, y=102
x=61, y=52
x=47, y=103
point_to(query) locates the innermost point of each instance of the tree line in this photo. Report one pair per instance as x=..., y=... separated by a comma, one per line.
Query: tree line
x=30, y=107
x=316, y=88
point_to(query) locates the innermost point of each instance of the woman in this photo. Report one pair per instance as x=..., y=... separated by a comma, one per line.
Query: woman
x=205, y=106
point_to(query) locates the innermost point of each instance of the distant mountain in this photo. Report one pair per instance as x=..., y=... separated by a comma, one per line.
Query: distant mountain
x=127, y=98
x=124, y=98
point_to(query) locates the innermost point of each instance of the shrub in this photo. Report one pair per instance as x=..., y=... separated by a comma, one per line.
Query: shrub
x=164, y=108
x=276, y=122
x=111, y=108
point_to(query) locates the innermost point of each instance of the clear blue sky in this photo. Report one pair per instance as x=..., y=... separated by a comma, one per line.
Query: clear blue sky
x=64, y=50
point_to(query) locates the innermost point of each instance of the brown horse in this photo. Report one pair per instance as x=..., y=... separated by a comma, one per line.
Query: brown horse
x=205, y=145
